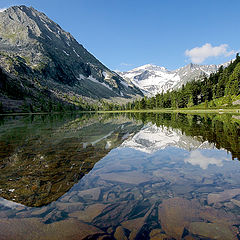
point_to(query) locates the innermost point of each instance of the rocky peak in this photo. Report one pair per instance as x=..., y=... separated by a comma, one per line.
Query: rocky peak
x=23, y=24
x=154, y=79
x=32, y=46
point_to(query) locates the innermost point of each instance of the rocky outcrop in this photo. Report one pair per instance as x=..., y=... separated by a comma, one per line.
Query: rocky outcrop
x=39, y=59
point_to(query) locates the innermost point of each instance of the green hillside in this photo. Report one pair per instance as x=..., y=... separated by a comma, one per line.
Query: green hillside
x=220, y=89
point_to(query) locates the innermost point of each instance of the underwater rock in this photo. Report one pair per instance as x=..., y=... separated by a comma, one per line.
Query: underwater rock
x=33, y=228
x=212, y=230
x=89, y=213
x=120, y=234
x=177, y=213
x=223, y=196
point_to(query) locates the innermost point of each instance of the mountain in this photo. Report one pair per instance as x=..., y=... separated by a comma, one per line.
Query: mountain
x=39, y=60
x=152, y=138
x=152, y=79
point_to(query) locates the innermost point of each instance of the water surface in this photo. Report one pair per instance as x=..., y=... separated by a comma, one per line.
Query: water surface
x=122, y=176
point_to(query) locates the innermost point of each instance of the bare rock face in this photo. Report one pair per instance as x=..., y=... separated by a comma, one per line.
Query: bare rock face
x=41, y=58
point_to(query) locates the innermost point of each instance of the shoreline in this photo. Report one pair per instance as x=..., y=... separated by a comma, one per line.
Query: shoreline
x=187, y=111
x=42, y=113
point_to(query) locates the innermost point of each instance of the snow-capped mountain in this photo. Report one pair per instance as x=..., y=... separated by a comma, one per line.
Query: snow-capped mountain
x=152, y=138
x=153, y=79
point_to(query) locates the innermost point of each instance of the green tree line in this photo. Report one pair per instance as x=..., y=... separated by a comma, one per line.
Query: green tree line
x=225, y=82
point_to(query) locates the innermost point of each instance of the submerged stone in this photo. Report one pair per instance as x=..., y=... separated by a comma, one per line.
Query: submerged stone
x=213, y=231
x=223, y=196
x=120, y=234
x=177, y=213
x=89, y=213
x=33, y=228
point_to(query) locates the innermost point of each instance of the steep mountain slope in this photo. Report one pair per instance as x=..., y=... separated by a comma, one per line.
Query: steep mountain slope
x=194, y=71
x=152, y=79
x=39, y=59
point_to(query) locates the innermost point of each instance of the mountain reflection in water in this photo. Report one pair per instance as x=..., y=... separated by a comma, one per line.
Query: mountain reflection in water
x=170, y=178
x=42, y=165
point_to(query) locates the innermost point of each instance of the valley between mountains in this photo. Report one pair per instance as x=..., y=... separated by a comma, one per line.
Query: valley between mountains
x=44, y=69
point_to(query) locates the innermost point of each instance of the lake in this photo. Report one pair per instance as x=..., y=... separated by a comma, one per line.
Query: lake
x=120, y=176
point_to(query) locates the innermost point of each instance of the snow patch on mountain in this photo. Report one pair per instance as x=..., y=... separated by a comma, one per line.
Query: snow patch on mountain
x=153, y=79
x=91, y=78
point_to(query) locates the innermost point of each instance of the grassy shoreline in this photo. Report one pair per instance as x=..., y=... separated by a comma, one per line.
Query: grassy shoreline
x=41, y=113
x=182, y=110
x=166, y=110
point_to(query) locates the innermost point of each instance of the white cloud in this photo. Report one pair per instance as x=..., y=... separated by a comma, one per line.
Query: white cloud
x=200, y=54
x=197, y=158
x=3, y=9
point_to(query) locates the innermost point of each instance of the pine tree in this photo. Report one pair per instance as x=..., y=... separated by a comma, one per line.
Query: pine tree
x=50, y=107
x=59, y=107
x=1, y=107
x=206, y=104
x=190, y=102
x=143, y=103
x=30, y=108
x=229, y=100
x=233, y=85
x=213, y=104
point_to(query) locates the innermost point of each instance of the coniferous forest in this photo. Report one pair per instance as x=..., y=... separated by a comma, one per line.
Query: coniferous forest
x=202, y=92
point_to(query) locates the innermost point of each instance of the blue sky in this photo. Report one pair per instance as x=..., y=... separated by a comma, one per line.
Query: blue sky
x=124, y=34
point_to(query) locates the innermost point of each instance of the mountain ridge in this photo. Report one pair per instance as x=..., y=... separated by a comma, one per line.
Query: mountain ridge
x=38, y=57
x=153, y=79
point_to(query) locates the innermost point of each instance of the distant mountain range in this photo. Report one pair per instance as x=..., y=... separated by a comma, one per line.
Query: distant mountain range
x=39, y=60
x=153, y=79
